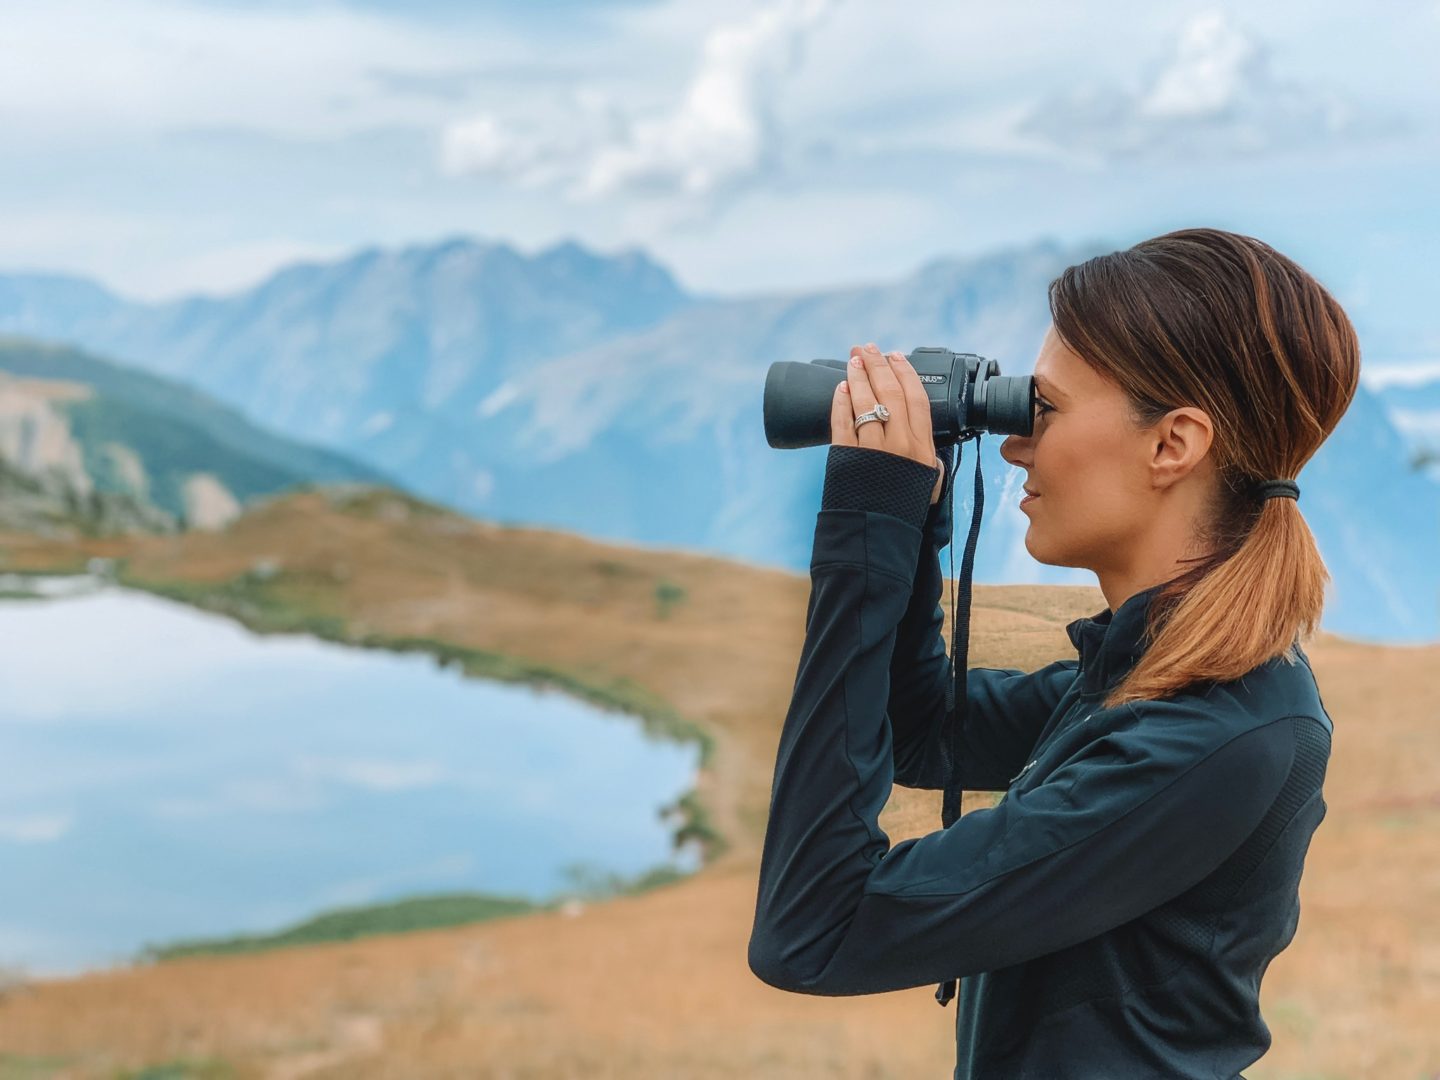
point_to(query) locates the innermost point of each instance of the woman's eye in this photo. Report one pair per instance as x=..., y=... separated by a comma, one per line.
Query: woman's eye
x=1043, y=407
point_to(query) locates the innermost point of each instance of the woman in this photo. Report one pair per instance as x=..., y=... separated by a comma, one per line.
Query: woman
x=1112, y=915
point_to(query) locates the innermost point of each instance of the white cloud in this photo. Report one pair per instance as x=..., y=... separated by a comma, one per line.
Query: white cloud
x=375, y=423
x=1417, y=423
x=268, y=795
x=145, y=656
x=35, y=828
x=503, y=395
x=483, y=485
x=79, y=68
x=1214, y=94
x=483, y=146
x=722, y=132
x=305, y=785
x=169, y=146
x=244, y=795
x=1213, y=66
x=1412, y=373
x=374, y=774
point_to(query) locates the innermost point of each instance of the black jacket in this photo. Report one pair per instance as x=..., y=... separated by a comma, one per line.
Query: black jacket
x=1111, y=917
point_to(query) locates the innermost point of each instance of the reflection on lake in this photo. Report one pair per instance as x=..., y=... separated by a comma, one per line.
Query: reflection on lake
x=165, y=773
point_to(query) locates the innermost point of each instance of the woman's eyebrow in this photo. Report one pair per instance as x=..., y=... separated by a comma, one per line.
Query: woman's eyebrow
x=1051, y=390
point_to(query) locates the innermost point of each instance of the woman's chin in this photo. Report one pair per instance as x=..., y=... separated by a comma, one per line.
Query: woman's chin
x=1039, y=551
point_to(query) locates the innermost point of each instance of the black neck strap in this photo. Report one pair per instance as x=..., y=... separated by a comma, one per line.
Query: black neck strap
x=952, y=745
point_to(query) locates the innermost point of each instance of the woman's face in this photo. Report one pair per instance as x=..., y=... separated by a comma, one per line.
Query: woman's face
x=1110, y=496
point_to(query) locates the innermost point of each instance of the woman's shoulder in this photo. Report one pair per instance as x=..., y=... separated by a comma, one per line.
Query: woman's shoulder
x=1281, y=688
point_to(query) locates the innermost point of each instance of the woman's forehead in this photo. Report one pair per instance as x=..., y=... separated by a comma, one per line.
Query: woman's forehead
x=1062, y=373
x=1055, y=368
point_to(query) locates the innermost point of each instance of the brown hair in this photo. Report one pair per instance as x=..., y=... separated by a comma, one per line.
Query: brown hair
x=1224, y=323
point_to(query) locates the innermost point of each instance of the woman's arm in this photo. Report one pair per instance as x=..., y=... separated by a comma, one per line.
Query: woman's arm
x=1008, y=707
x=1141, y=814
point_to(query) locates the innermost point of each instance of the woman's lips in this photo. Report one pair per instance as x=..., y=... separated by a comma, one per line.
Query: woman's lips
x=1028, y=498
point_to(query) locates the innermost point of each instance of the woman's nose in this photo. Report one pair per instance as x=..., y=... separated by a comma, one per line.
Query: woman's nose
x=1010, y=449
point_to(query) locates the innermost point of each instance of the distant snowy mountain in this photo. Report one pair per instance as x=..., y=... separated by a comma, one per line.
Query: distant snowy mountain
x=592, y=393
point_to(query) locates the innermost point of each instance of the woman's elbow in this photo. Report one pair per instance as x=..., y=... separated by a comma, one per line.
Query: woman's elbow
x=765, y=962
x=764, y=958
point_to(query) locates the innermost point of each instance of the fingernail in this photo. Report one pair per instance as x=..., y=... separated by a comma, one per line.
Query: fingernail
x=844, y=386
x=857, y=361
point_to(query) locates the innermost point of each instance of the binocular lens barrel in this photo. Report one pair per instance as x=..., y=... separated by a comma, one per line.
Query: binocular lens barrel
x=968, y=396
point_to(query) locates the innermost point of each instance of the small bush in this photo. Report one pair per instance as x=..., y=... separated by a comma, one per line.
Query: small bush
x=667, y=595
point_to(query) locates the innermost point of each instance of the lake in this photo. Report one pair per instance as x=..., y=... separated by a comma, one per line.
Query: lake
x=166, y=773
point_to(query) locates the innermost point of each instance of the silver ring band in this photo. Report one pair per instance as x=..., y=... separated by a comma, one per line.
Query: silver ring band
x=879, y=412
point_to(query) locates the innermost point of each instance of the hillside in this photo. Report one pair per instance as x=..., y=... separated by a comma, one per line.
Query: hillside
x=101, y=445
x=656, y=985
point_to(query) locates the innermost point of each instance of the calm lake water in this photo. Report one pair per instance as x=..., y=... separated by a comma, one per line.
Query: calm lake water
x=165, y=774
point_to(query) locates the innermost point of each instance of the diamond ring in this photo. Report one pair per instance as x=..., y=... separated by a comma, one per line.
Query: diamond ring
x=879, y=412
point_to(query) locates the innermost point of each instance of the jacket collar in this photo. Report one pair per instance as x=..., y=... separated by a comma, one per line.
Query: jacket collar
x=1111, y=642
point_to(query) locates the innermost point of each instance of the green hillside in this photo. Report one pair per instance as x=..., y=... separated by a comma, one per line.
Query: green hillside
x=170, y=431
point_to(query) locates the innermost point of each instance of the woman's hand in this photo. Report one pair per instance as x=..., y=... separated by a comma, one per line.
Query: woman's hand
x=889, y=379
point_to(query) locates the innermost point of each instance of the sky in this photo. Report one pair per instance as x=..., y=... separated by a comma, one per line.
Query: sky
x=173, y=147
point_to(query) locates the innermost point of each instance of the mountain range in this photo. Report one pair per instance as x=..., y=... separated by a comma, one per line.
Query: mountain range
x=593, y=393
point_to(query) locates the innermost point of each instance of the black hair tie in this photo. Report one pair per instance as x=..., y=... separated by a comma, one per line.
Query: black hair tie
x=1285, y=489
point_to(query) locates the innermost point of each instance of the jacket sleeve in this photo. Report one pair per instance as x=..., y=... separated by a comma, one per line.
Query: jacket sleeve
x=1138, y=815
x=1008, y=707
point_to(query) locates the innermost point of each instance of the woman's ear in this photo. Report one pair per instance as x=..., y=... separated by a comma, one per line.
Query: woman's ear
x=1182, y=438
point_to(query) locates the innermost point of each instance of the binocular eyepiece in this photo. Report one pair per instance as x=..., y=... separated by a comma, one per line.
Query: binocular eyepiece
x=968, y=396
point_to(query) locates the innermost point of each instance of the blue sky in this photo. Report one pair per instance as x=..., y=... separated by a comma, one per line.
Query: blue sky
x=167, y=147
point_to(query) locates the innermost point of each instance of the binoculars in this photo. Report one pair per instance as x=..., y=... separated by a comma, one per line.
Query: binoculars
x=968, y=397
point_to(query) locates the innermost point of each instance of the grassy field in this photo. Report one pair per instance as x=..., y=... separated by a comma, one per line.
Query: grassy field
x=347, y=924
x=415, y=913
x=655, y=983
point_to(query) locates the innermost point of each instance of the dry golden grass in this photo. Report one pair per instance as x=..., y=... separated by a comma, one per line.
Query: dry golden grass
x=657, y=985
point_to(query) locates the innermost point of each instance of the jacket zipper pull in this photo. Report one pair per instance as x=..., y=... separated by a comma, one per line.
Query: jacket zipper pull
x=1022, y=772
x=945, y=992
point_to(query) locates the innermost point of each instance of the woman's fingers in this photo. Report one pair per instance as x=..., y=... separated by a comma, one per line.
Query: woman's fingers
x=842, y=416
x=871, y=379
x=916, y=399
x=883, y=383
x=862, y=399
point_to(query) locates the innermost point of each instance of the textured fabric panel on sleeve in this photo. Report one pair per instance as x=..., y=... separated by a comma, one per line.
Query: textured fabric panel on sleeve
x=864, y=478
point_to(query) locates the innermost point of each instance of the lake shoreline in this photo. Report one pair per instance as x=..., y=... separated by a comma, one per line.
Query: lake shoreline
x=252, y=605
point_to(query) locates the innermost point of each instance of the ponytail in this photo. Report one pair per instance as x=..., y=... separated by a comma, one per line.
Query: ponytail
x=1232, y=615
x=1225, y=323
